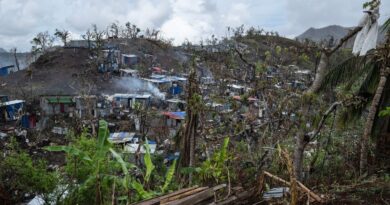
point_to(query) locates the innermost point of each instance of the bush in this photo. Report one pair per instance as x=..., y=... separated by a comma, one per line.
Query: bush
x=20, y=175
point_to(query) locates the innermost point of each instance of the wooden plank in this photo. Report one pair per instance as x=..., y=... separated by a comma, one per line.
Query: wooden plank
x=194, y=199
x=277, y=178
x=227, y=201
x=180, y=196
x=181, y=191
x=156, y=201
x=219, y=187
x=311, y=193
x=198, y=197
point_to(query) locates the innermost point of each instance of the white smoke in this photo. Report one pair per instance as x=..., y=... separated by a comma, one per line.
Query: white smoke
x=135, y=85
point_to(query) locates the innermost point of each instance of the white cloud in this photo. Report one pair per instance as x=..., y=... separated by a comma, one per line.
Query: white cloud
x=179, y=19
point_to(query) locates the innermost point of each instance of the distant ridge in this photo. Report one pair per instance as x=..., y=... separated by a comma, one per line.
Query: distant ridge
x=335, y=31
x=2, y=50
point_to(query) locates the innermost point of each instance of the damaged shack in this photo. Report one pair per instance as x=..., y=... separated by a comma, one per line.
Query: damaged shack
x=53, y=105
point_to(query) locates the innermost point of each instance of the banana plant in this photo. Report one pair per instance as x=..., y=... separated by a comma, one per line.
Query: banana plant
x=103, y=169
x=95, y=162
x=148, y=162
x=127, y=181
x=215, y=168
x=169, y=177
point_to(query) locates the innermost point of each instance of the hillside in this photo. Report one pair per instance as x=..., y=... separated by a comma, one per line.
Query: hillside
x=325, y=33
x=69, y=71
x=254, y=92
x=335, y=31
x=2, y=50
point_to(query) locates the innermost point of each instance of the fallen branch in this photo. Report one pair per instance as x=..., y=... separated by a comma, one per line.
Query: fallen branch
x=301, y=186
x=344, y=39
x=324, y=117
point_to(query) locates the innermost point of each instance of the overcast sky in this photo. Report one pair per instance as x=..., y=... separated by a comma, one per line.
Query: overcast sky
x=21, y=20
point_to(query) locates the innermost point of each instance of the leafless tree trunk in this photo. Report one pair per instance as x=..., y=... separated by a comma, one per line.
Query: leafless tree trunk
x=321, y=72
x=192, y=119
x=370, y=120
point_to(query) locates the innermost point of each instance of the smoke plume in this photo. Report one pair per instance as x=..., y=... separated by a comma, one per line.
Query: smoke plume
x=135, y=85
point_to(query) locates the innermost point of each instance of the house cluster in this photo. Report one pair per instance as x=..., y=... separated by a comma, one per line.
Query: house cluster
x=155, y=109
x=150, y=105
x=290, y=77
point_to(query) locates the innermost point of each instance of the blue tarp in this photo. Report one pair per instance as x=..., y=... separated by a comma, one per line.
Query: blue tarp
x=4, y=71
x=152, y=142
x=181, y=114
x=12, y=107
x=175, y=90
x=25, y=122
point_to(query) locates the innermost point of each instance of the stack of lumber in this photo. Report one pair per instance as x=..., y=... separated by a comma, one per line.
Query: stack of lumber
x=188, y=196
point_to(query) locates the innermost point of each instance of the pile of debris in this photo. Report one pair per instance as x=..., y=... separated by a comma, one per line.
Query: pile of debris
x=193, y=196
x=236, y=195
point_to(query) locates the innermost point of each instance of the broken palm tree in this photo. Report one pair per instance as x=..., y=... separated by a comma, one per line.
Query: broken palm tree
x=375, y=66
x=303, y=138
x=188, y=141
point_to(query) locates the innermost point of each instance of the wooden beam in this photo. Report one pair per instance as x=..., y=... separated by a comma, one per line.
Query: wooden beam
x=182, y=195
x=156, y=201
x=276, y=178
x=227, y=201
x=198, y=197
x=194, y=199
x=312, y=194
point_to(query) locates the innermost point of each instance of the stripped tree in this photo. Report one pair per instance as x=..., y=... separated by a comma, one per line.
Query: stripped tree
x=303, y=138
x=63, y=35
x=14, y=51
x=375, y=68
x=194, y=107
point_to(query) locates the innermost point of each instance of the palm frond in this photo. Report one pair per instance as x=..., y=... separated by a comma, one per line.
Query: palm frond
x=360, y=77
x=369, y=84
x=346, y=71
x=349, y=115
x=386, y=26
x=366, y=88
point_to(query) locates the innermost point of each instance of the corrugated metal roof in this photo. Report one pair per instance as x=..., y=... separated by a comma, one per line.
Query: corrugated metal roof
x=121, y=137
x=137, y=96
x=13, y=102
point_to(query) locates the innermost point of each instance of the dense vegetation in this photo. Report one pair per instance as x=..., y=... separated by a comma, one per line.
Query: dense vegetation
x=330, y=135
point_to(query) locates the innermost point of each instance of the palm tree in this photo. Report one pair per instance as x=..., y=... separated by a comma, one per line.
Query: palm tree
x=375, y=67
x=322, y=70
